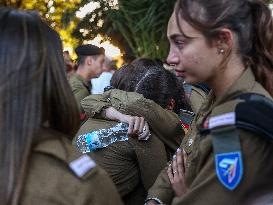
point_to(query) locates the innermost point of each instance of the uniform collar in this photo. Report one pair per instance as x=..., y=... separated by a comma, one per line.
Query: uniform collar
x=56, y=144
x=81, y=79
x=244, y=84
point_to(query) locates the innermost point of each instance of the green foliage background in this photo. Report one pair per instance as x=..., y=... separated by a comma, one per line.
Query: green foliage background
x=137, y=27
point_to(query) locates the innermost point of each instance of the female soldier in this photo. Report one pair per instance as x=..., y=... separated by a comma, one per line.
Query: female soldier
x=227, y=44
x=132, y=164
x=39, y=116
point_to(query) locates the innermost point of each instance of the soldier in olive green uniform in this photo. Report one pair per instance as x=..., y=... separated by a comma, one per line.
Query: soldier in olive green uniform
x=38, y=118
x=80, y=87
x=133, y=164
x=227, y=154
x=90, y=61
x=201, y=180
x=58, y=174
x=195, y=93
x=197, y=98
x=164, y=123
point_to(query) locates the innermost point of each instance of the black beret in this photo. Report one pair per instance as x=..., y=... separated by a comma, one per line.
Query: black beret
x=88, y=50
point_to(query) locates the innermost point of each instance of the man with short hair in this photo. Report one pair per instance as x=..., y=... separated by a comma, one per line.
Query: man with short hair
x=89, y=65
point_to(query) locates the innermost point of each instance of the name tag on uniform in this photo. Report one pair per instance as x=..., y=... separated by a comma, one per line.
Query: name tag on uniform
x=82, y=165
x=222, y=120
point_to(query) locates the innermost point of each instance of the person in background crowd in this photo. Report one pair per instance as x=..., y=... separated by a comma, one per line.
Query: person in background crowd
x=133, y=164
x=89, y=65
x=98, y=84
x=69, y=70
x=195, y=96
x=39, y=116
x=196, y=93
x=67, y=58
x=70, y=66
x=227, y=154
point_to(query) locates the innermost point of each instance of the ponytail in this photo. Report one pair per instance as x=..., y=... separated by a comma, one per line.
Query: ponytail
x=262, y=54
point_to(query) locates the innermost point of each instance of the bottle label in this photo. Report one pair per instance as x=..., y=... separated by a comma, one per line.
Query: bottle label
x=101, y=138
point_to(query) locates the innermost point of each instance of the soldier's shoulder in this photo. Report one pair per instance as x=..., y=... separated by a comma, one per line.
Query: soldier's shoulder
x=57, y=172
x=76, y=81
x=58, y=147
x=197, y=97
x=200, y=91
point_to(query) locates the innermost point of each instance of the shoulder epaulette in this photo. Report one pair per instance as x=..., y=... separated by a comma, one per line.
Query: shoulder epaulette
x=252, y=112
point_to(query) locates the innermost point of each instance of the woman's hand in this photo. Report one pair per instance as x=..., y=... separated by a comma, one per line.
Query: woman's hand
x=176, y=173
x=137, y=125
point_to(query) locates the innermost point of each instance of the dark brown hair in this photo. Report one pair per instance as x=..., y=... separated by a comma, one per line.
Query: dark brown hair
x=153, y=82
x=147, y=62
x=33, y=92
x=251, y=20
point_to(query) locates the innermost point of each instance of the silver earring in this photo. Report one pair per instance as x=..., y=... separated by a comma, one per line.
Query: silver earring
x=221, y=50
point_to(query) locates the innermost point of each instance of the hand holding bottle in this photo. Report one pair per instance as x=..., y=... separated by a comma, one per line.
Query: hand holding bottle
x=137, y=125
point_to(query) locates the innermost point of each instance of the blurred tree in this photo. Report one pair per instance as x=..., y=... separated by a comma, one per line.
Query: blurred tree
x=137, y=27
x=52, y=11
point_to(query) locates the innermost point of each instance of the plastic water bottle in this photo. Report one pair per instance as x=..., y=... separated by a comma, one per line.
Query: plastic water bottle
x=102, y=138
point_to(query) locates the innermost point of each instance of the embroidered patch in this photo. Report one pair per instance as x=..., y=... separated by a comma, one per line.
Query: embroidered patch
x=229, y=169
x=221, y=120
x=184, y=125
x=82, y=165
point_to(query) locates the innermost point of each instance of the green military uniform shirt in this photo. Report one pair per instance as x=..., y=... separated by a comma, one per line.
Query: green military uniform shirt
x=58, y=174
x=197, y=98
x=133, y=165
x=165, y=124
x=200, y=174
x=80, y=88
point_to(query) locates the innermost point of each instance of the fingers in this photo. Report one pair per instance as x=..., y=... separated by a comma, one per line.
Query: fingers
x=131, y=122
x=170, y=173
x=176, y=173
x=136, y=129
x=145, y=134
x=138, y=125
x=180, y=163
x=141, y=125
x=185, y=156
x=175, y=167
x=134, y=124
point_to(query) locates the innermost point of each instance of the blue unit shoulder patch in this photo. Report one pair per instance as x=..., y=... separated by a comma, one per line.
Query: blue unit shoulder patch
x=229, y=169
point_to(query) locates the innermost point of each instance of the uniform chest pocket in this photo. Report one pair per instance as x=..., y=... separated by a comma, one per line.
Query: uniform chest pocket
x=190, y=143
x=191, y=149
x=190, y=146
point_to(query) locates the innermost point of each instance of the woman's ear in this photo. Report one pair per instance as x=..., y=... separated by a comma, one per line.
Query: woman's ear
x=171, y=104
x=225, y=41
